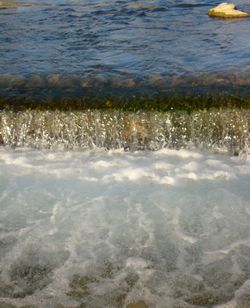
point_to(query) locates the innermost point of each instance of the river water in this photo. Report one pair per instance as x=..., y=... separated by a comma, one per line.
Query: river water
x=115, y=208
x=81, y=43
x=114, y=229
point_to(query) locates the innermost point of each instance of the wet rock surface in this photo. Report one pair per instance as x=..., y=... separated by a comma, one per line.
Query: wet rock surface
x=227, y=10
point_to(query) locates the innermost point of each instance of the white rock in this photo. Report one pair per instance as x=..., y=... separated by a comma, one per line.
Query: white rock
x=227, y=10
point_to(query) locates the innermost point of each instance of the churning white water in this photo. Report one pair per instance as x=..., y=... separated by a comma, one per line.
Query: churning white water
x=99, y=228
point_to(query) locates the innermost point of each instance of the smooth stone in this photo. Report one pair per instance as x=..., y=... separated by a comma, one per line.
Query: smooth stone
x=53, y=80
x=123, y=83
x=227, y=10
x=140, y=5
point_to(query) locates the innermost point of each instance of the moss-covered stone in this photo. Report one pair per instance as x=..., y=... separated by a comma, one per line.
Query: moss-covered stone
x=163, y=103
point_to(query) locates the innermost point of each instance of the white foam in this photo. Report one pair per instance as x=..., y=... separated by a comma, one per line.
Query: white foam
x=143, y=224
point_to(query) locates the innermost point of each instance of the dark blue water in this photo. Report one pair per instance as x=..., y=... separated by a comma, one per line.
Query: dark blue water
x=122, y=40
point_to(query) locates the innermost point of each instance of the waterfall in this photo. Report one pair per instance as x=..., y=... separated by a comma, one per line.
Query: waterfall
x=217, y=130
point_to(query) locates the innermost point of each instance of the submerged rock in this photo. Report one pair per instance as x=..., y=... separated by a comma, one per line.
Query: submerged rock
x=227, y=10
x=7, y=4
x=140, y=5
x=139, y=304
x=80, y=286
x=6, y=305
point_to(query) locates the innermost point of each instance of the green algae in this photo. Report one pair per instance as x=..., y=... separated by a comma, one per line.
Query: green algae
x=79, y=286
x=29, y=278
x=82, y=288
x=133, y=104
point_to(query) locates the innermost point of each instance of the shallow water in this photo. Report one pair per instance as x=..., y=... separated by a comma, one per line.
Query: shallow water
x=108, y=228
x=121, y=40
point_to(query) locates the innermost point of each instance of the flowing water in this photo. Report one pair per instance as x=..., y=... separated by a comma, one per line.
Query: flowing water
x=216, y=130
x=78, y=44
x=102, y=206
x=113, y=229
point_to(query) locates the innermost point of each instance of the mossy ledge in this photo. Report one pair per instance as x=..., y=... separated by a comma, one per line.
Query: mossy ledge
x=135, y=103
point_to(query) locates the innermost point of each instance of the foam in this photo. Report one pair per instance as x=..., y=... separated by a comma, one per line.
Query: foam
x=225, y=131
x=113, y=228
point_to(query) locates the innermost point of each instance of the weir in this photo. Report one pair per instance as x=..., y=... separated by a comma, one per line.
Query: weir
x=224, y=130
x=115, y=190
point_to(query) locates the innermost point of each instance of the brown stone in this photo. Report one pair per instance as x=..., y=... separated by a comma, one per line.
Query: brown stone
x=7, y=4
x=139, y=304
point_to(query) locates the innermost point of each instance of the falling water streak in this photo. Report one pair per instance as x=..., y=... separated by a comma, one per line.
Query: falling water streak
x=215, y=130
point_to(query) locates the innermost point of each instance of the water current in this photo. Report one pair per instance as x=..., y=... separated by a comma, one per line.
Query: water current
x=168, y=228
x=82, y=44
x=124, y=158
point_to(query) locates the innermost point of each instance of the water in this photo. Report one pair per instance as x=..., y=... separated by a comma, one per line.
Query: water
x=110, y=229
x=214, y=130
x=136, y=207
x=123, y=43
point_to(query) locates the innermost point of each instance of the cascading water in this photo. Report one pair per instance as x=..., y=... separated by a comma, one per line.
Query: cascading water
x=224, y=130
x=124, y=155
x=87, y=220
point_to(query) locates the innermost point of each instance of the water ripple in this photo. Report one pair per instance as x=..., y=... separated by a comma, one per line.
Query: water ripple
x=173, y=37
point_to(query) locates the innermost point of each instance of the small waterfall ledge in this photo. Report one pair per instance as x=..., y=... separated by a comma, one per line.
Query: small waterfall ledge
x=224, y=130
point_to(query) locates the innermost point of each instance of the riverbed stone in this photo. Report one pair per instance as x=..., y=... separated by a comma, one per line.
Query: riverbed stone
x=79, y=285
x=6, y=305
x=139, y=304
x=227, y=10
x=7, y=4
